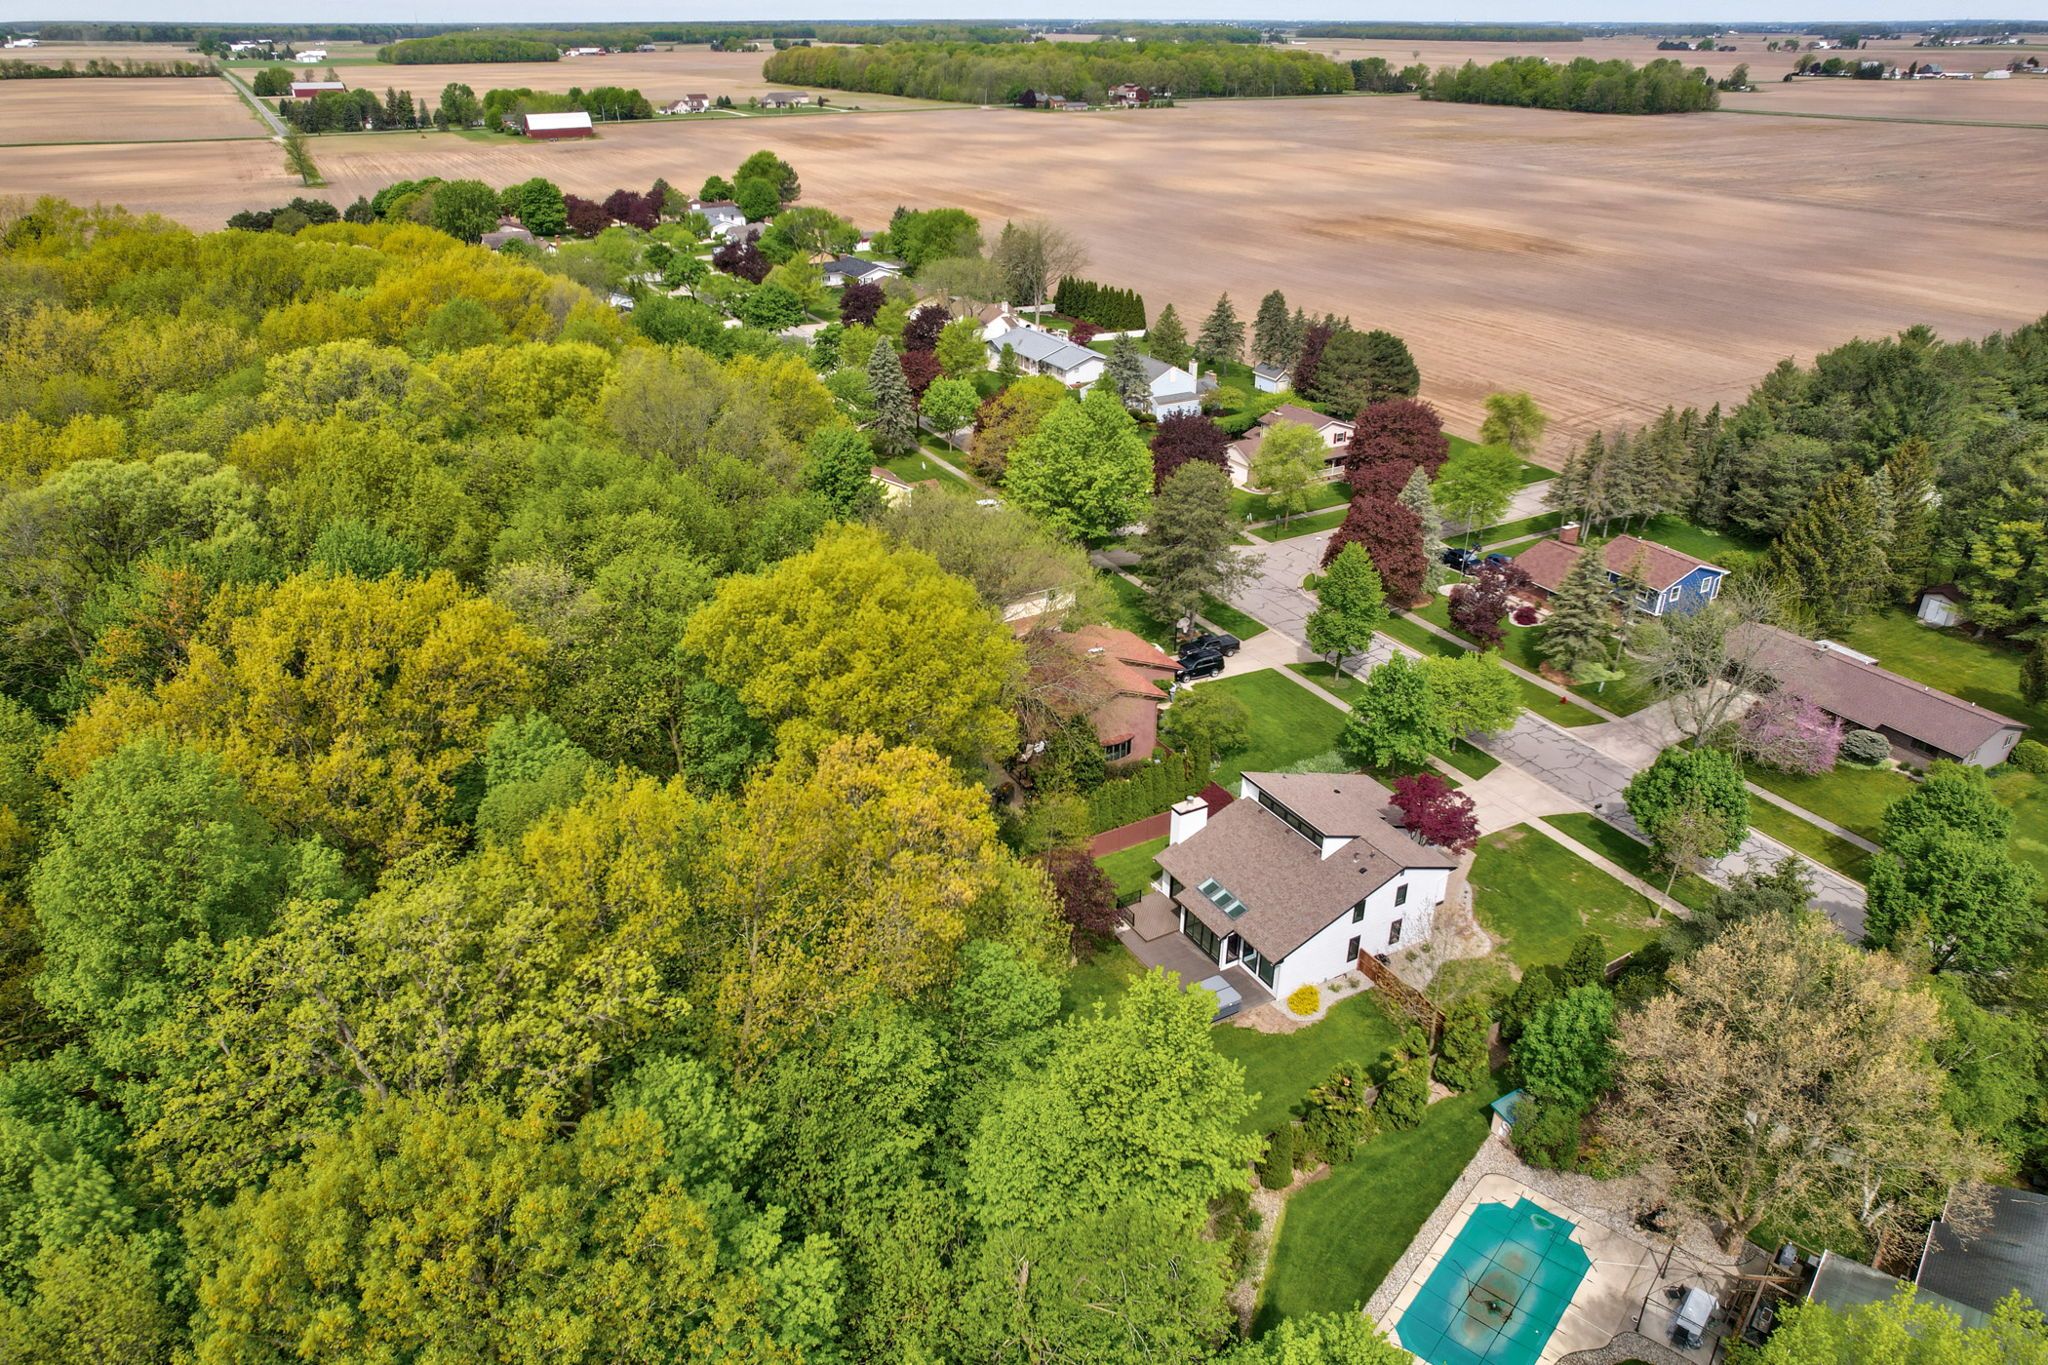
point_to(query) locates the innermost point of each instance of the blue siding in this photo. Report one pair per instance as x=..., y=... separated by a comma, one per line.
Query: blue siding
x=1693, y=591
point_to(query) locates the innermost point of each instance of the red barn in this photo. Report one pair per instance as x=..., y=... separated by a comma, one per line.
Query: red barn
x=575, y=124
x=305, y=90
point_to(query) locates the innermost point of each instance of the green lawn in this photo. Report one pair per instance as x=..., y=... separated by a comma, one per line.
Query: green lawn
x=915, y=466
x=2028, y=797
x=1631, y=854
x=1339, y=1237
x=1131, y=609
x=1101, y=979
x=1981, y=671
x=1536, y=898
x=1698, y=541
x=1466, y=759
x=1249, y=506
x=1854, y=798
x=1304, y=526
x=1531, y=473
x=1280, y=1067
x=1231, y=619
x=1428, y=644
x=1516, y=530
x=1132, y=868
x=1289, y=723
x=1518, y=646
x=1829, y=850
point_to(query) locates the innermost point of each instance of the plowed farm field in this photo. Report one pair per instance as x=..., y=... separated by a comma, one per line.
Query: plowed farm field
x=123, y=109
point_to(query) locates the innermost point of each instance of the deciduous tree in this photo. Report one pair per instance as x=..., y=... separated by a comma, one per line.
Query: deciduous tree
x=1565, y=1051
x=1691, y=803
x=1185, y=436
x=1435, y=814
x=1392, y=535
x=859, y=304
x=1085, y=469
x=1395, y=722
x=1905, y=1330
x=1473, y=692
x=1479, y=604
x=1513, y=420
x=1351, y=604
x=1391, y=440
x=1287, y=463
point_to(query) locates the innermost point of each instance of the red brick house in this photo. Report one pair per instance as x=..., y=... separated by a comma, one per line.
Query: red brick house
x=1132, y=675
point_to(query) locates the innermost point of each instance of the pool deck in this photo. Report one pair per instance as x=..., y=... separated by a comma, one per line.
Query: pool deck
x=1606, y=1304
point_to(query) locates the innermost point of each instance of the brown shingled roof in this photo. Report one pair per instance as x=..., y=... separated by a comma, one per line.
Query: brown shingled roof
x=1548, y=561
x=1872, y=697
x=1289, y=890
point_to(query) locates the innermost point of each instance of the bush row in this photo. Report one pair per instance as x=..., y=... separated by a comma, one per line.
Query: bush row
x=1147, y=791
x=1110, y=308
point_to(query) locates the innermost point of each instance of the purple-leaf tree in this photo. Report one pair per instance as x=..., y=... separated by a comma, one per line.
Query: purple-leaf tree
x=1087, y=897
x=860, y=303
x=1478, y=604
x=921, y=331
x=1434, y=814
x=1788, y=732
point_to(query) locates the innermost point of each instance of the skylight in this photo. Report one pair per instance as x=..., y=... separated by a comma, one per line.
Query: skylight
x=1221, y=899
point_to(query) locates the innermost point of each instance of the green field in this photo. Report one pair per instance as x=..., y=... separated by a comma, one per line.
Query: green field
x=1630, y=854
x=1339, y=1237
x=1280, y=1067
x=1132, y=868
x=1982, y=671
x=1537, y=898
x=1289, y=724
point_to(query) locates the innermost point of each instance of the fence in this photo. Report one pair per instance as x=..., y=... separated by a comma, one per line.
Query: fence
x=1403, y=997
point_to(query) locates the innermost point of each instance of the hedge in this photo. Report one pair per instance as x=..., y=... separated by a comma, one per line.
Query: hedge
x=1112, y=309
x=1147, y=791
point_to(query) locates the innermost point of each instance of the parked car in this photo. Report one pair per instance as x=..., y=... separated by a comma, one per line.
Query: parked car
x=1199, y=663
x=1464, y=561
x=1222, y=644
x=1498, y=558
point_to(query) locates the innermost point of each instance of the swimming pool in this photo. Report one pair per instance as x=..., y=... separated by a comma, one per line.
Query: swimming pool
x=1499, y=1291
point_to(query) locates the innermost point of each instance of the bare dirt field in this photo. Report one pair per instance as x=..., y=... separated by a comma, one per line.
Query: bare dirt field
x=661, y=76
x=123, y=109
x=1748, y=50
x=56, y=54
x=1608, y=265
x=2017, y=99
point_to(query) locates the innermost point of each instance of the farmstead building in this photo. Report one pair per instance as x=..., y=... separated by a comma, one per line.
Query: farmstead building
x=575, y=123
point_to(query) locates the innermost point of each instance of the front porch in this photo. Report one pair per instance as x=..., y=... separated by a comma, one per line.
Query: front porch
x=1154, y=938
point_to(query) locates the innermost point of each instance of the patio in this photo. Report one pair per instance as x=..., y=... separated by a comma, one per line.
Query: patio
x=1153, y=937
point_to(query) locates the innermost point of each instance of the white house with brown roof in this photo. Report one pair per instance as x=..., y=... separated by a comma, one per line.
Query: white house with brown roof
x=1672, y=582
x=1295, y=880
x=1335, y=431
x=1922, y=722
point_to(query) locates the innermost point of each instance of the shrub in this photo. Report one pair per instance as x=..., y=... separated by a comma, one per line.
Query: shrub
x=1524, y=616
x=1461, y=1065
x=1148, y=790
x=1546, y=1133
x=1336, y=1116
x=1867, y=747
x=1276, y=1168
x=1083, y=332
x=1405, y=1095
x=1587, y=965
x=1305, y=1000
x=1537, y=988
x=2030, y=756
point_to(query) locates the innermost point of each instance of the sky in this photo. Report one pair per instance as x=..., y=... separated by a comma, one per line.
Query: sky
x=557, y=12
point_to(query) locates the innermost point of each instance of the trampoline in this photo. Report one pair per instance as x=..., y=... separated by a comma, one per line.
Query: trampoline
x=1499, y=1291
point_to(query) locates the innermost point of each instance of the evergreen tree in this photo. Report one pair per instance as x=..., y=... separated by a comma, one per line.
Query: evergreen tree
x=1169, y=339
x=2034, y=674
x=1126, y=374
x=895, y=426
x=1007, y=367
x=1269, y=331
x=1581, y=628
x=1830, y=558
x=1222, y=338
x=1416, y=497
x=1297, y=333
x=1351, y=603
x=1910, y=473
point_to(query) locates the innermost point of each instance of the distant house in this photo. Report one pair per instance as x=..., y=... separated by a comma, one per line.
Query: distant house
x=583, y=52
x=1673, y=583
x=1335, y=431
x=688, y=104
x=722, y=214
x=1173, y=391
x=847, y=270
x=305, y=90
x=895, y=488
x=1272, y=378
x=1061, y=104
x=547, y=127
x=1943, y=605
x=1129, y=672
x=784, y=99
x=1040, y=352
x=24, y=42
x=310, y=55
x=506, y=232
x=1921, y=722
x=1129, y=96
x=1293, y=882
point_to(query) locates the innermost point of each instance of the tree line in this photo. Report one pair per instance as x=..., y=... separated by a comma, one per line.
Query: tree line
x=1460, y=33
x=1582, y=85
x=469, y=47
x=1108, y=307
x=13, y=70
x=980, y=75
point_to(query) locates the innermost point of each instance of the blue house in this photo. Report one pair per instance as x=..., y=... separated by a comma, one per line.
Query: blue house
x=1672, y=583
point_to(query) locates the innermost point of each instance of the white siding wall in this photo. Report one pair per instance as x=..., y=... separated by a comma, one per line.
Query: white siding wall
x=1323, y=956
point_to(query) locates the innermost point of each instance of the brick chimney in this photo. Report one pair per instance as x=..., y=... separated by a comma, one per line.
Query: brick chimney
x=1187, y=820
x=1569, y=533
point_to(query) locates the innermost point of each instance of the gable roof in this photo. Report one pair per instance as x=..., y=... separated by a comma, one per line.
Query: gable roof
x=1128, y=662
x=2010, y=1252
x=1308, y=417
x=1043, y=348
x=1289, y=891
x=574, y=118
x=1270, y=371
x=1548, y=561
x=1871, y=697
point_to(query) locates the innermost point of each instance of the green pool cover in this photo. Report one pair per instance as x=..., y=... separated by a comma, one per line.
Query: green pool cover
x=1499, y=1292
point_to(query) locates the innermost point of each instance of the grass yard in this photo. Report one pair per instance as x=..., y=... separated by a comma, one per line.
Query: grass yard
x=1518, y=646
x=1304, y=526
x=1231, y=619
x=1854, y=798
x=1466, y=759
x=1980, y=671
x=1516, y=530
x=915, y=466
x=1531, y=473
x=1429, y=645
x=1280, y=1067
x=1249, y=506
x=1542, y=700
x=2028, y=797
x=1339, y=1237
x=1631, y=854
x=1289, y=724
x=1536, y=897
x=1131, y=610
x=1829, y=850
x=1132, y=868
x=1712, y=546
x=1101, y=979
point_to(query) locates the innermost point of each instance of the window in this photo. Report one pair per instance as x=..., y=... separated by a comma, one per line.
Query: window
x=1221, y=899
x=1265, y=971
x=1113, y=752
x=1394, y=933
x=1358, y=912
x=1202, y=936
x=1291, y=820
x=1351, y=949
x=1401, y=894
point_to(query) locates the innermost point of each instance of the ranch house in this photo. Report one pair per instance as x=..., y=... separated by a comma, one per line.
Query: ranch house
x=847, y=270
x=305, y=90
x=1290, y=885
x=1672, y=582
x=1040, y=352
x=784, y=99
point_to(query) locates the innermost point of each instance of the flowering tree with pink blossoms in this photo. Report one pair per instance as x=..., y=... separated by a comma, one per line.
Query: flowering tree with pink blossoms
x=1788, y=732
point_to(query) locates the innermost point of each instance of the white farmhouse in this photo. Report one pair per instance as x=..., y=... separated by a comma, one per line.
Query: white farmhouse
x=722, y=214
x=1290, y=884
